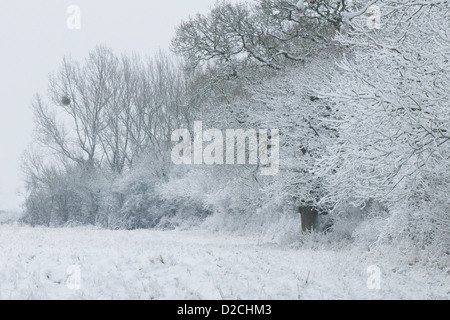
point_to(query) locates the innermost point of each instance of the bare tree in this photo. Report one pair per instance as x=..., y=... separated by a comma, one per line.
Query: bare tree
x=110, y=109
x=101, y=117
x=79, y=96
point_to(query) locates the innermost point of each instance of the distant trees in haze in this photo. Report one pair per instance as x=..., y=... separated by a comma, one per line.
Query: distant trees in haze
x=100, y=119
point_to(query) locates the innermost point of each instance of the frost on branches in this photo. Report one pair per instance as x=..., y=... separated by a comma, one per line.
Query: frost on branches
x=265, y=32
x=390, y=102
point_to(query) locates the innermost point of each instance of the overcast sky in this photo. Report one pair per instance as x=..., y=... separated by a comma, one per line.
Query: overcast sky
x=33, y=39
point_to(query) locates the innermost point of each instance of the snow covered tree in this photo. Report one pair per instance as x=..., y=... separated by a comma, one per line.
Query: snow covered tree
x=235, y=34
x=390, y=102
x=227, y=47
x=266, y=32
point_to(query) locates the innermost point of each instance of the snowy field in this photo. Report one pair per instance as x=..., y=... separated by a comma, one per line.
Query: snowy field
x=96, y=264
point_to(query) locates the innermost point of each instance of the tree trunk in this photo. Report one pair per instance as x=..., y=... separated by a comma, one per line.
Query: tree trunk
x=309, y=219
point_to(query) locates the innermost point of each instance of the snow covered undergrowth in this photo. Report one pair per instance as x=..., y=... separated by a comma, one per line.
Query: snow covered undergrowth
x=9, y=217
x=34, y=264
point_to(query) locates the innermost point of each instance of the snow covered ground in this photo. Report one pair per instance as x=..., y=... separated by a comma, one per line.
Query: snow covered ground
x=84, y=263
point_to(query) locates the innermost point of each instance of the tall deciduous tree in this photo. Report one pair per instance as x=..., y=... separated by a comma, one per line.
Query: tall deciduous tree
x=390, y=102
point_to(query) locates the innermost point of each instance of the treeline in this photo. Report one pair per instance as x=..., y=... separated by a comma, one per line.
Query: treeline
x=362, y=111
x=102, y=119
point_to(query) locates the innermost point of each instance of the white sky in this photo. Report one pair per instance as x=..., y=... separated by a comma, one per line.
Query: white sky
x=33, y=40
